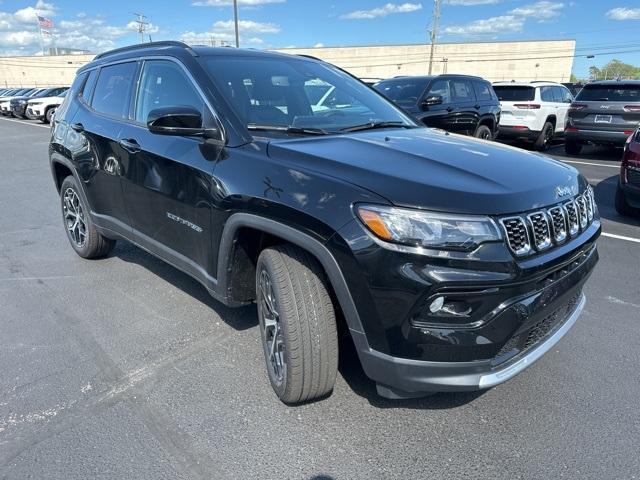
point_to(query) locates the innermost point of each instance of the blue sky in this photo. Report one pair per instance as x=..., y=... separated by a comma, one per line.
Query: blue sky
x=600, y=27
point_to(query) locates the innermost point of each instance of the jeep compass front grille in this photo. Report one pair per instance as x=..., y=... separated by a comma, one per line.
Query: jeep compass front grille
x=542, y=229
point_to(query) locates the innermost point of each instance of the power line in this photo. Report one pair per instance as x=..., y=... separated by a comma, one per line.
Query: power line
x=142, y=25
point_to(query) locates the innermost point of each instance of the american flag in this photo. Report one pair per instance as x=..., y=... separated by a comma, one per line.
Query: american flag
x=45, y=22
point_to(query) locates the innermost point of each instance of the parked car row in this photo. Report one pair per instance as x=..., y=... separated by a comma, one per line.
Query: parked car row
x=31, y=103
x=603, y=113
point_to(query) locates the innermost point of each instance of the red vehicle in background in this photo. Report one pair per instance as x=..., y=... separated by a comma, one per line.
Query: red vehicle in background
x=628, y=191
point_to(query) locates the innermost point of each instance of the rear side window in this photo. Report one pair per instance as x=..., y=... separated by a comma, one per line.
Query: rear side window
x=112, y=94
x=164, y=84
x=462, y=91
x=610, y=93
x=483, y=90
x=514, y=93
x=88, y=86
x=405, y=92
x=546, y=94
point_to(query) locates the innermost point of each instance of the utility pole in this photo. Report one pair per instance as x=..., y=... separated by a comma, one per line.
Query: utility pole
x=142, y=25
x=235, y=20
x=434, y=32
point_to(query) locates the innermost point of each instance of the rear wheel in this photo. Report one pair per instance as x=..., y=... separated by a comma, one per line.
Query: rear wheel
x=622, y=207
x=483, y=132
x=297, y=324
x=81, y=232
x=543, y=142
x=572, y=148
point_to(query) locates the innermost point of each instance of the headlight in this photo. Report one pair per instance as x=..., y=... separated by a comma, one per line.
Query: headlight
x=420, y=228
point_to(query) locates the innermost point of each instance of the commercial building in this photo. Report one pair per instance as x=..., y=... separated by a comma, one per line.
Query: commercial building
x=521, y=61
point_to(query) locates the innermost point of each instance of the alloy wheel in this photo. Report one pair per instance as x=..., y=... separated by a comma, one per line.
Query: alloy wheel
x=272, y=337
x=74, y=218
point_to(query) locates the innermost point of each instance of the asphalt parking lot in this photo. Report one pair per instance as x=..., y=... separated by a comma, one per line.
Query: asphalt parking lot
x=125, y=368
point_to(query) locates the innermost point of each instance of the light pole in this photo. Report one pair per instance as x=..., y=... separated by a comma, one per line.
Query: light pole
x=434, y=32
x=235, y=16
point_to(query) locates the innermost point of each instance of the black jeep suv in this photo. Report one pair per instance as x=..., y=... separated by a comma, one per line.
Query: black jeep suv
x=456, y=103
x=452, y=263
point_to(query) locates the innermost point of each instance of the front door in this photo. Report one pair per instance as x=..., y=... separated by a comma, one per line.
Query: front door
x=168, y=188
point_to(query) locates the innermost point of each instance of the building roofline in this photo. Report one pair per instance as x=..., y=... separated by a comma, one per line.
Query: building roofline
x=492, y=42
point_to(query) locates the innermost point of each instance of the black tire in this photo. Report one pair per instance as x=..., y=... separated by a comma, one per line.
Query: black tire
x=92, y=244
x=543, y=142
x=622, y=207
x=483, y=132
x=304, y=334
x=572, y=148
x=48, y=115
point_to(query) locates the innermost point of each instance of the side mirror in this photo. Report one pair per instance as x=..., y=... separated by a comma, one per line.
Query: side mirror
x=180, y=121
x=432, y=100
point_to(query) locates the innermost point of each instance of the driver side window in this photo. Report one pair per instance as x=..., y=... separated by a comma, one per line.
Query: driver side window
x=440, y=88
x=164, y=84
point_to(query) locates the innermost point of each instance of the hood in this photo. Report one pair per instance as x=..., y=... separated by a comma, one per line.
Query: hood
x=17, y=99
x=436, y=170
x=47, y=100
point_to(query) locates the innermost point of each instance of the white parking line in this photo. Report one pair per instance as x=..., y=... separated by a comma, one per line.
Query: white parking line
x=591, y=163
x=621, y=237
x=26, y=123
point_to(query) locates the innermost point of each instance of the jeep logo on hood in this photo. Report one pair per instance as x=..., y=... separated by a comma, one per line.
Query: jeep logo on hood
x=563, y=191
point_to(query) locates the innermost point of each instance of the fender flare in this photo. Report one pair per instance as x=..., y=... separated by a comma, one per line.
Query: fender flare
x=296, y=237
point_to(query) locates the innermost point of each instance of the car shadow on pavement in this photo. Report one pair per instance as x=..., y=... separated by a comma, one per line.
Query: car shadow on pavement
x=240, y=319
x=605, y=192
x=352, y=372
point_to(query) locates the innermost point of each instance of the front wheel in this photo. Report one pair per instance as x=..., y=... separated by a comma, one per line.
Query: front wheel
x=572, y=148
x=297, y=324
x=48, y=116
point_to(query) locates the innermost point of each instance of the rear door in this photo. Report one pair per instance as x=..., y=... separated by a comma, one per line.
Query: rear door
x=467, y=109
x=103, y=107
x=563, y=99
x=168, y=184
x=607, y=107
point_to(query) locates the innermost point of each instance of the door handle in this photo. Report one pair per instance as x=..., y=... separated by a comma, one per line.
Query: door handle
x=477, y=107
x=449, y=109
x=130, y=145
x=78, y=127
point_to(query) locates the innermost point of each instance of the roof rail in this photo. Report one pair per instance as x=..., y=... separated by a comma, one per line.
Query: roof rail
x=164, y=43
x=310, y=56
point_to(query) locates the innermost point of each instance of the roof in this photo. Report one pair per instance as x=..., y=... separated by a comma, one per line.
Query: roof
x=615, y=82
x=171, y=47
x=429, y=77
x=537, y=83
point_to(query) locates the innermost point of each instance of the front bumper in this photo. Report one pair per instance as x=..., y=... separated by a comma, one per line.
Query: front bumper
x=34, y=112
x=605, y=137
x=18, y=110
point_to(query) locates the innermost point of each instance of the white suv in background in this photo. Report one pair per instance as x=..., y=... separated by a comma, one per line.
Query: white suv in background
x=44, y=108
x=534, y=111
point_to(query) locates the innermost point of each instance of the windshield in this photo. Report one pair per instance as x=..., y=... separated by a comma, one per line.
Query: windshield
x=404, y=92
x=298, y=93
x=514, y=93
x=609, y=93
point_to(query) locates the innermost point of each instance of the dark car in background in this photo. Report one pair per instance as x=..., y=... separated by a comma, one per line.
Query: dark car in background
x=628, y=191
x=574, y=88
x=455, y=103
x=18, y=105
x=603, y=113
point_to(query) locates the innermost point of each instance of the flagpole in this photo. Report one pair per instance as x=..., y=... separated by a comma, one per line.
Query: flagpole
x=40, y=30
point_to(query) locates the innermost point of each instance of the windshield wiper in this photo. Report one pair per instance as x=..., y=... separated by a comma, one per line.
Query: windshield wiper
x=288, y=129
x=374, y=125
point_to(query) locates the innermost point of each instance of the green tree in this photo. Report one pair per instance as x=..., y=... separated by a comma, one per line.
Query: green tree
x=614, y=69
